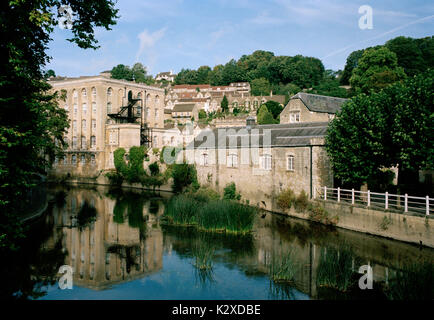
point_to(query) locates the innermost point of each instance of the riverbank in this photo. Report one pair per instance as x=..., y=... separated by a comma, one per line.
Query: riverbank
x=390, y=225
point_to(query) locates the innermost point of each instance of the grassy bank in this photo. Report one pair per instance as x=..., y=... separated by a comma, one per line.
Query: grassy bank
x=209, y=213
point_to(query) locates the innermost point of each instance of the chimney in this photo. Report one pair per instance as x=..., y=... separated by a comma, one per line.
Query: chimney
x=250, y=121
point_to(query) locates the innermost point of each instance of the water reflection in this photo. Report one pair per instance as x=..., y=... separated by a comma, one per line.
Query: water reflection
x=119, y=249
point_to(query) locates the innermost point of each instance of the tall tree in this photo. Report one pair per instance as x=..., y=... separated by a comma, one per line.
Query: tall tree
x=390, y=128
x=32, y=125
x=352, y=62
x=224, y=104
x=377, y=69
x=260, y=87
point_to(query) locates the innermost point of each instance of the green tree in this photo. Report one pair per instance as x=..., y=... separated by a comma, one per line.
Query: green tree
x=275, y=108
x=32, y=125
x=122, y=72
x=260, y=87
x=202, y=114
x=390, y=128
x=264, y=116
x=225, y=104
x=376, y=69
x=352, y=62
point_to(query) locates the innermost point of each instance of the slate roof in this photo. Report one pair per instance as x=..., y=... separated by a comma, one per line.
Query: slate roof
x=318, y=103
x=282, y=135
x=188, y=107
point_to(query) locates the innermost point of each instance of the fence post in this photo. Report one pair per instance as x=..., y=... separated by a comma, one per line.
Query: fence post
x=406, y=203
x=427, y=205
x=369, y=198
x=387, y=200
x=352, y=196
x=339, y=194
x=325, y=192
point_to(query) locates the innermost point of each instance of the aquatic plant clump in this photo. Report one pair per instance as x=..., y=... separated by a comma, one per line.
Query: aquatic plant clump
x=213, y=215
x=283, y=267
x=335, y=269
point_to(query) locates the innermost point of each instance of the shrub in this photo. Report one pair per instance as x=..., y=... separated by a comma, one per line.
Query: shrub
x=301, y=202
x=319, y=214
x=115, y=178
x=230, y=192
x=204, y=194
x=183, y=176
x=182, y=210
x=154, y=169
x=285, y=199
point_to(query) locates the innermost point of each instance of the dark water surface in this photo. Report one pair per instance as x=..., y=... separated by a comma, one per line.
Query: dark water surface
x=119, y=248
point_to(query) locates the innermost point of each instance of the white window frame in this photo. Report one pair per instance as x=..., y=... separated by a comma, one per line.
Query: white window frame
x=290, y=161
x=266, y=162
x=294, y=116
x=232, y=160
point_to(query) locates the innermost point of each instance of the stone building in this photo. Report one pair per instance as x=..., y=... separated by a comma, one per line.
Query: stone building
x=263, y=160
x=306, y=107
x=168, y=76
x=105, y=114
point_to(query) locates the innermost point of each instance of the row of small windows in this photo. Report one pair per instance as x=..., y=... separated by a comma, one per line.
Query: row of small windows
x=82, y=160
x=83, y=142
x=83, y=125
x=265, y=161
x=110, y=94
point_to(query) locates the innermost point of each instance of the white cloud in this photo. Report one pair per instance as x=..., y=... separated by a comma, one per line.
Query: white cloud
x=148, y=40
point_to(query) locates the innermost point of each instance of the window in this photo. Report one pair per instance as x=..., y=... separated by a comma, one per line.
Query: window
x=75, y=96
x=139, y=111
x=290, y=163
x=255, y=103
x=75, y=108
x=204, y=159
x=232, y=160
x=109, y=107
x=74, y=159
x=83, y=125
x=156, y=113
x=155, y=141
x=74, y=142
x=74, y=126
x=109, y=94
x=94, y=107
x=148, y=98
x=93, y=142
x=65, y=160
x=93, y=125
x=83, y=142
x=265, y=162
x=157, y=100
x=92, y=158
x=84, y=93
x=93, y=94
x=82, y=160
x=294, y=116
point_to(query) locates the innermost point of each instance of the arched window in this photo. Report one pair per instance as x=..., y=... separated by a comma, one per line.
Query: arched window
x=92, y=158
x=93, y=125
x=74, y=159
x=75, y=95
x=75, y=108
x=74, y=142
x=74, y=126
x=109, y=94
x=83, y=160
x=93, y=142
x=93, y=93
x=83, y=125
x=109, y=107
x=84, y=93
x=84, y=108
x=83, y=142
x=148, y=98
x=94, y=107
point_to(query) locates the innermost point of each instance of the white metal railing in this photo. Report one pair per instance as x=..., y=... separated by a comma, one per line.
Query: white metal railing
x=404, y=203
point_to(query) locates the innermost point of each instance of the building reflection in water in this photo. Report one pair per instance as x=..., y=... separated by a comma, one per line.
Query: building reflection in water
x=109, y=249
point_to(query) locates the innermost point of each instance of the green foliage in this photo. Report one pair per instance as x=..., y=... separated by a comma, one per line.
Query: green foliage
x=319, y=214
x=115, y=178
x=283, y=267
x=230, y=192
x=335, y=269
x=285, y=199
x=389, y=128
x=264, y=116
x=224, y=104
x=184, y=175
x=154, y=169
x=210, y=215
x=376, y=69
x=352, y=62
x=32, y=125
x=202, y=114
x=260, y=87
x=274, y=108
x=137, y=73
x=301, y=203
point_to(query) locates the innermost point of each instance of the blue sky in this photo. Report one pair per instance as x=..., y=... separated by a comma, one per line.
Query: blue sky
x=173, y=34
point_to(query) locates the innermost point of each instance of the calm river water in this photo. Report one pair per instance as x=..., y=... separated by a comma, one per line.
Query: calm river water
x=119, y=248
